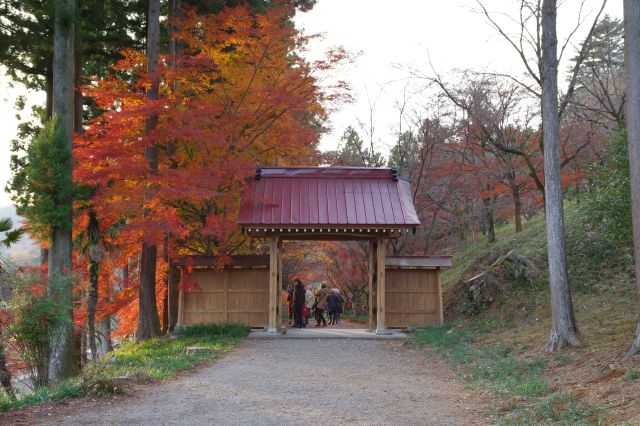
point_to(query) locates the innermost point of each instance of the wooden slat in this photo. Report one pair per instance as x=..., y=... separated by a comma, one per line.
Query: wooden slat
x=244, y=301
x=412, y=297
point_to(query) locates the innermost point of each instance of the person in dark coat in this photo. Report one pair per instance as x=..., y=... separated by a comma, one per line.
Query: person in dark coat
x=290, y=302
x=334, y=304
x=299, y=300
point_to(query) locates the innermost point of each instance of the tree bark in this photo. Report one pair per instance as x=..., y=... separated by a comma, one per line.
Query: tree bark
x=5, y=374
x=104, y=330
x=148, y=321
x=48, y=109
x=62, y=360
x=517, y=207
x=632, y=73
x=489, y=220
x=92, y=302
x=173, y=291
x=563, y=326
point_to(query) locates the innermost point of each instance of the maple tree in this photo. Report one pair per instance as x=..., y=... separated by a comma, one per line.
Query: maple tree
x=240, y=94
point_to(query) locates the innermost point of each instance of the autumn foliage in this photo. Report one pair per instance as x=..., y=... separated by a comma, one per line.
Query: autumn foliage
x=237, y=94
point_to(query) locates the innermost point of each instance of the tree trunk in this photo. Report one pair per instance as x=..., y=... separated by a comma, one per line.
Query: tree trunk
x=44, y=256
x=173, y=290
x=632, y=72
x=5, y=374
x=48, y=109
x=148, y=321
x=517, y=207
x=77, y=93
x=489, y=220
x=104, y=330
x=563, y=327
x=62, y=362
x=92, y=302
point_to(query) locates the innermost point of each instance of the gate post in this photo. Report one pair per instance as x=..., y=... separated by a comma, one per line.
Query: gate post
x=372, y=286
x=273, y=285
x=380, y=287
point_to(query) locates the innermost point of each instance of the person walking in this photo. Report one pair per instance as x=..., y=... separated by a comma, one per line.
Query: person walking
x=339, y=304
x=299, y=301
x=290, y=302
x=334, y=303
x=310, y=299
x=321, y=306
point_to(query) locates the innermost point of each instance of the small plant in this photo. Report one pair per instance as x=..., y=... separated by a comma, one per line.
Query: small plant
x=33, y=318
x=100, y=379
x=631, y=375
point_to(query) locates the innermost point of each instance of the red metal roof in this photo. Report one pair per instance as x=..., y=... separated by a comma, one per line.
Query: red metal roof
x=327, y=196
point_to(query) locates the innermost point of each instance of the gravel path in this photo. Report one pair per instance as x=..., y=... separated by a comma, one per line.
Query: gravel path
x=282, y=382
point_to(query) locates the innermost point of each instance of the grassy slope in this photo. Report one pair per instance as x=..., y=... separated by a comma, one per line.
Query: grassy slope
x=588, y=384
x=156, y=359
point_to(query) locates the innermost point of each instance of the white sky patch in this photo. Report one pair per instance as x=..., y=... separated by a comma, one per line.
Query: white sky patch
x=403, y=33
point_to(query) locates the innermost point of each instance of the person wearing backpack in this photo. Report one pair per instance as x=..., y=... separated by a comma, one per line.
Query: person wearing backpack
x=321, y=306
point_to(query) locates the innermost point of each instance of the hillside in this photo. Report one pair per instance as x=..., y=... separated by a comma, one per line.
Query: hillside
x=589, y=384
x=25, y=251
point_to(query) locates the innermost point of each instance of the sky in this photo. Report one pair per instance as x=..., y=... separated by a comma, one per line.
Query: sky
x=388, y=37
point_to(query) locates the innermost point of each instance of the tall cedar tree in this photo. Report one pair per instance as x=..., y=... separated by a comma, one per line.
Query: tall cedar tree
x=632, y=71
x=563, y=324
x=62, y=362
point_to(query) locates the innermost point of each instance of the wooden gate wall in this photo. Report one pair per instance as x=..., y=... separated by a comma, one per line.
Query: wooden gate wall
x=235, y=295
x=413, y=294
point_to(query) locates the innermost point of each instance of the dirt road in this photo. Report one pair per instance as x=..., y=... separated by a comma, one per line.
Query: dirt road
x=287, y=381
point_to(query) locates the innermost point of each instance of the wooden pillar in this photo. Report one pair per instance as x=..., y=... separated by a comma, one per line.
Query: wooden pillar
x=279, y=290
x=180, y=322
x=225, y=280
x=372, y=285
x=273, y=285
x=439, y=296
x=380, y=287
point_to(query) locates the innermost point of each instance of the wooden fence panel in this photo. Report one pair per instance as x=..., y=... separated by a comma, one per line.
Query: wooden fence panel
x=232, y=295
x=412, y=297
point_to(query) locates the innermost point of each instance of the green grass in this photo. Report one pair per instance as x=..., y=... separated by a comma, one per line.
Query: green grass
x=497, y=368
x=354, y=317
x=155, y=359
x=487, y=346
x=558, y=409
x=67, y=389
x=163, y=358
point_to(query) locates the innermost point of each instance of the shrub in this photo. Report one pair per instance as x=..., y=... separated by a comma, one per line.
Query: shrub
x=33, y=319
x=607, y=205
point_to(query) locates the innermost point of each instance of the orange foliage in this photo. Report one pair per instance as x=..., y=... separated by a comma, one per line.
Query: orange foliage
x=240, y=95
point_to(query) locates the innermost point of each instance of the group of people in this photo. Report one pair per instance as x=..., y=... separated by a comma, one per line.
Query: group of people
x=325, y=305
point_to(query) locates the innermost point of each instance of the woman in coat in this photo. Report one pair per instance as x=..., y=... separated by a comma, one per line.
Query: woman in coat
x=321, y=306
x=299, y=300
x=310, y=300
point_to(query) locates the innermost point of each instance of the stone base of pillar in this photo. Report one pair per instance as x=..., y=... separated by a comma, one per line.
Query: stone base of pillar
x=383, y=331
x=272, y=330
